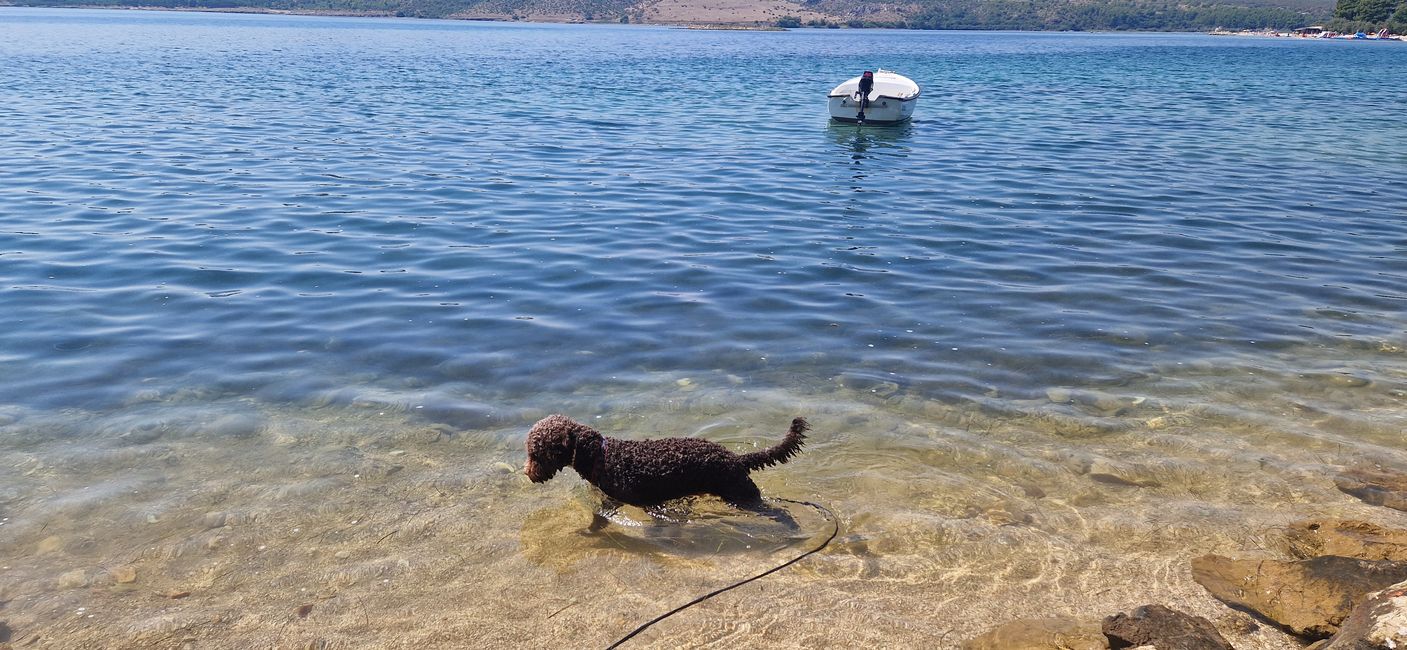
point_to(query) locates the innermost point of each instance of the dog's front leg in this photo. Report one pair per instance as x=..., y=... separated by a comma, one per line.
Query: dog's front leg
x=602, y=515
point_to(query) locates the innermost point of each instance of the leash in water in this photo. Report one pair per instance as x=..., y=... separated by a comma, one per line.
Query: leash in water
x=835, y=528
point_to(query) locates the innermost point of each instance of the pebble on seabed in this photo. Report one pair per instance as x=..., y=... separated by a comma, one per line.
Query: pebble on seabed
x=124, y=574
x=49, y=544
x=73, y=579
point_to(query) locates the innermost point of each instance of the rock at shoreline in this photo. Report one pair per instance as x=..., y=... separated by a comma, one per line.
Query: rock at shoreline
x=1375, y=487
x=1379, y=623
x=1307, y=597
x=1063, y=633
x=1164, y=628
x=1347, y=538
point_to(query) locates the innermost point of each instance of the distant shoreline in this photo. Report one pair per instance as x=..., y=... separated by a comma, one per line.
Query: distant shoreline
x=702, y=25
x=1316, y=36
x=338, y=13
x=228, y=10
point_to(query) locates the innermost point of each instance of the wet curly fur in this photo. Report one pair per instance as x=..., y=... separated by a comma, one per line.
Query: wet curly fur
x=650, y=472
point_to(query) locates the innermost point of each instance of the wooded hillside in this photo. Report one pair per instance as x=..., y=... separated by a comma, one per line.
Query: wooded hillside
x=1162, y=15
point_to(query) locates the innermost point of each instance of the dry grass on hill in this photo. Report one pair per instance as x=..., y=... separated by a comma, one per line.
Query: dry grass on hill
x=726, y=11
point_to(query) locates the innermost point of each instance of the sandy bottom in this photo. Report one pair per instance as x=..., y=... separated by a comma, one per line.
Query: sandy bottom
x=191, y=521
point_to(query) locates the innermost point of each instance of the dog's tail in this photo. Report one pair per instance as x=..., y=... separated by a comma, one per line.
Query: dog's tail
x=781, y=453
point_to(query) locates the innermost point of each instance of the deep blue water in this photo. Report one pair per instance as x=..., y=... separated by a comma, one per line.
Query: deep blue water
x=277, y=206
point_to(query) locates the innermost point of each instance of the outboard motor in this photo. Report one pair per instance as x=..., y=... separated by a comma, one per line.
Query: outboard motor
x=866, y=85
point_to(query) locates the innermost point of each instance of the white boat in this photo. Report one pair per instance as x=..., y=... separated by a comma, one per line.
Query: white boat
x=891, y=99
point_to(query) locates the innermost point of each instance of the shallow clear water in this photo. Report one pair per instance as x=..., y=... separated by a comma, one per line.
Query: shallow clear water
x=284, y=293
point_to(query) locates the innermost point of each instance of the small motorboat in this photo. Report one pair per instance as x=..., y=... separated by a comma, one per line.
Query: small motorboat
x=878, y=97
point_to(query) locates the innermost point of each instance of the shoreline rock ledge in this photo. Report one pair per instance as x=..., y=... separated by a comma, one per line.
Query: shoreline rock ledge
x=1347, y=538
x=1310, y=598
x=1380, y=623
x=1374, y=487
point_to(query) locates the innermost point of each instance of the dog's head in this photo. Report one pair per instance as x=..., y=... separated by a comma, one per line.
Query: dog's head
x=552, y=446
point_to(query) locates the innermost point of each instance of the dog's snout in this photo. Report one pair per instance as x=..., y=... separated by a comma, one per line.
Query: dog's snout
x=534, y=473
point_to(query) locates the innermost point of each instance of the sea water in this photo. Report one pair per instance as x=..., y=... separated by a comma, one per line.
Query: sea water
x=283, y=294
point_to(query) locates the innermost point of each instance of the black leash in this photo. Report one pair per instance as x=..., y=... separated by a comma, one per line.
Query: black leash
x=834, y=530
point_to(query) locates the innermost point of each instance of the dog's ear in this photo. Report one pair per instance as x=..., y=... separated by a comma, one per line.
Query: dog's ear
x=571, y=446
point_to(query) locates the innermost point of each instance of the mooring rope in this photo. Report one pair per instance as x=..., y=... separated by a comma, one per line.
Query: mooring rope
x=835, y=528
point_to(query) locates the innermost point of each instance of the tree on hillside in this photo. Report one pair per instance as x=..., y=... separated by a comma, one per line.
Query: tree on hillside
x=1368, y=11
x=1398, y=22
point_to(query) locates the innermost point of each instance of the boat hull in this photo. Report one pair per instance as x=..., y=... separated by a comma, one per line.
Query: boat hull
x=892, y=98
x=881, y=110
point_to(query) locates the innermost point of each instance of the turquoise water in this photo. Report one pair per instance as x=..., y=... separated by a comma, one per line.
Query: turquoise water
x=1107, y=296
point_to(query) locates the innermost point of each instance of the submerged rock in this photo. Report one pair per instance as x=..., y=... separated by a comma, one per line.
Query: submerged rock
x=1063, y=633
x=235, y=425
x=1163, y=628
x=1347, y=538
x=1094, y=402
x=460, y=415
x=74, y=579
x=867, y=383
x=49, y=544
x=1110, y=473
x=142, y=434
x=504, y=468
x=1375, y=487
x=1379, y=623
x=1114, y=479
x=215, y=519
x=1307, y=597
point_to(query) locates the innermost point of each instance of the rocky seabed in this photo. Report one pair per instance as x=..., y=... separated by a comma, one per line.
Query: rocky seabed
x=1341, y=586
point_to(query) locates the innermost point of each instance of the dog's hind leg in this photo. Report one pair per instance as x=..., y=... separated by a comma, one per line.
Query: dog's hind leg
x=744, y=495
x=775, y=513
x=740, y=492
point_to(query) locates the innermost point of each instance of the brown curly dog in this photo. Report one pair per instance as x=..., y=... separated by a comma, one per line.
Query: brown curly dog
x=650, y=472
